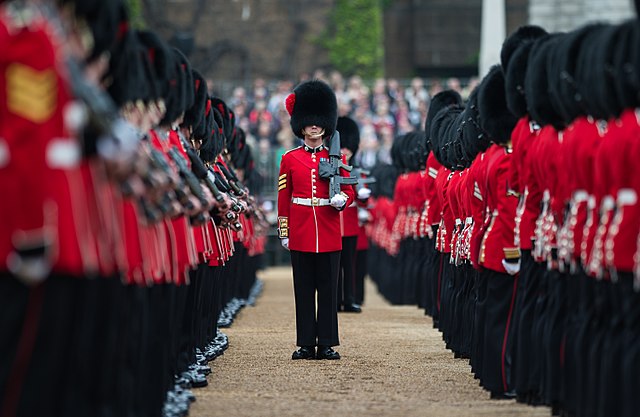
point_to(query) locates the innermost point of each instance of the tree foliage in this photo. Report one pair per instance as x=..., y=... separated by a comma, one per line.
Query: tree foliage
x=134, y=8
x=354, y=37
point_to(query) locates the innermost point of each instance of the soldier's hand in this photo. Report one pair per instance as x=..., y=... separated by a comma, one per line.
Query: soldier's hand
x=31, y=270
x=364, y=216
x=285, y=242
x=512, y=268
x=338, y=201
x=364, y=193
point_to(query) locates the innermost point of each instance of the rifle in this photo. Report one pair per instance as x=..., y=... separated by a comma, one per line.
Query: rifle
x=330, y=169
x=235, y=185
x=202, y=173
x=362, y=176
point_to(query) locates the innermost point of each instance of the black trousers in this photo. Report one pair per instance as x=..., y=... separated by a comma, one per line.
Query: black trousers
x=498, y=329
x=316, y=272
x=361, y=272
x=347, y=275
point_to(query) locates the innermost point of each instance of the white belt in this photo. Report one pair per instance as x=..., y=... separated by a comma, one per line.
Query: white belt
x=627, y=197
x=313, y=201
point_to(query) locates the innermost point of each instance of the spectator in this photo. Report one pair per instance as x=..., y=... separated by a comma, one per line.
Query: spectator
x=383, y=118
x=367, y=156
x=386, y=141
x=259, y=115
x=416, y=93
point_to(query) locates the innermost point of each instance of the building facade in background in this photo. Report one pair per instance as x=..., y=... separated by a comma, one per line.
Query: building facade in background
x=240, y=40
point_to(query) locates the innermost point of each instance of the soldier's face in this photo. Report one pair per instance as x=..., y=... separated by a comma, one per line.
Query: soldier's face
x=346, y=152
x=313, y=131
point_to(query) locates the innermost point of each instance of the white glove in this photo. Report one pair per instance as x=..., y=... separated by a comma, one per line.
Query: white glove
x=363, y=215
x=338, y=201
x=285, y=242
x=510, y=267
x=29, y=270
x=364, y=193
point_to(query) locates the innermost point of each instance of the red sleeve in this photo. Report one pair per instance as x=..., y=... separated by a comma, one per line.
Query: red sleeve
x=30, y=118
x=516, y=182
x=284, y=196
x=349, y=190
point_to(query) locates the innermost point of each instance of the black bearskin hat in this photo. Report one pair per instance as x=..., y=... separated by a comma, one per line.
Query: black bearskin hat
x=625, y=67
x=568, y=56
x=440, y=133
x=225, y=121
x=107, y=21
x=312, y=103
x=604, y=90
x=475, y=140
x=417, y=152
x=495, y=117
x=536, y=86
x=349, y=134
x=514, y=80
x=440, y=101
x=523, y=34
x=160, y=62
x=127, y=70
x=196, y=113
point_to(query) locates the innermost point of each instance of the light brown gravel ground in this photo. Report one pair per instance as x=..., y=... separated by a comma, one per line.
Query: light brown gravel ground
x=393, y=364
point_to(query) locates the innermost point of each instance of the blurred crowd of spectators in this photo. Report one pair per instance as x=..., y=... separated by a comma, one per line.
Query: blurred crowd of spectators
x=383, y=108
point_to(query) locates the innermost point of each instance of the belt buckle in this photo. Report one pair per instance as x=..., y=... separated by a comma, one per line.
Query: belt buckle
x=314, y=201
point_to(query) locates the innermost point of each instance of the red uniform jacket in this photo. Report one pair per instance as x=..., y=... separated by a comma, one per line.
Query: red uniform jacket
x=579, y=142
x=477, y=185
x=314, y=227
x=44, y=200
x=604, y=194
x=349, y=220
x=522, y=182
x=432, y=203
x=497, y=242
x=443, y=242
x=621, y=241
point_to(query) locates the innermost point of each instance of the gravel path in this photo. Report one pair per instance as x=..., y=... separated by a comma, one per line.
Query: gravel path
x=393, y=364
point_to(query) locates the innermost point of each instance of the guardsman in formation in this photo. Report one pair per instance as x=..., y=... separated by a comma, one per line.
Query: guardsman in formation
x=349, y=223
x=539, y=230
x=125, y=205
x=309, y=219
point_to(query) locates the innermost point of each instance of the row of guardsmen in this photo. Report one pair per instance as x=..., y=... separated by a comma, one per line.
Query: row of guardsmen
x=128, y=236
x=514, y=221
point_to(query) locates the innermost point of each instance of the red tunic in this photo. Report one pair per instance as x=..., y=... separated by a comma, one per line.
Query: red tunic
x=477, y=185
x=349, y=221
x=432, y=202
x=621, y=241
x=443, y=242
x=579, y=141
x=523, y=182
x=497, y=241
x=312, y=228
x=40, y=180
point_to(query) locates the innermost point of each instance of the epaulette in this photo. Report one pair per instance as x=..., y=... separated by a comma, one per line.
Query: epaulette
x=298, y=147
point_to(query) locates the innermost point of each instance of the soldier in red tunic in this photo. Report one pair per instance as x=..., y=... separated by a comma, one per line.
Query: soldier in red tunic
x=309, y=220
x=349, y=141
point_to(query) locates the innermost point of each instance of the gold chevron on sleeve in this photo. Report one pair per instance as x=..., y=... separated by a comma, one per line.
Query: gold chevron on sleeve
x=31, y=94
